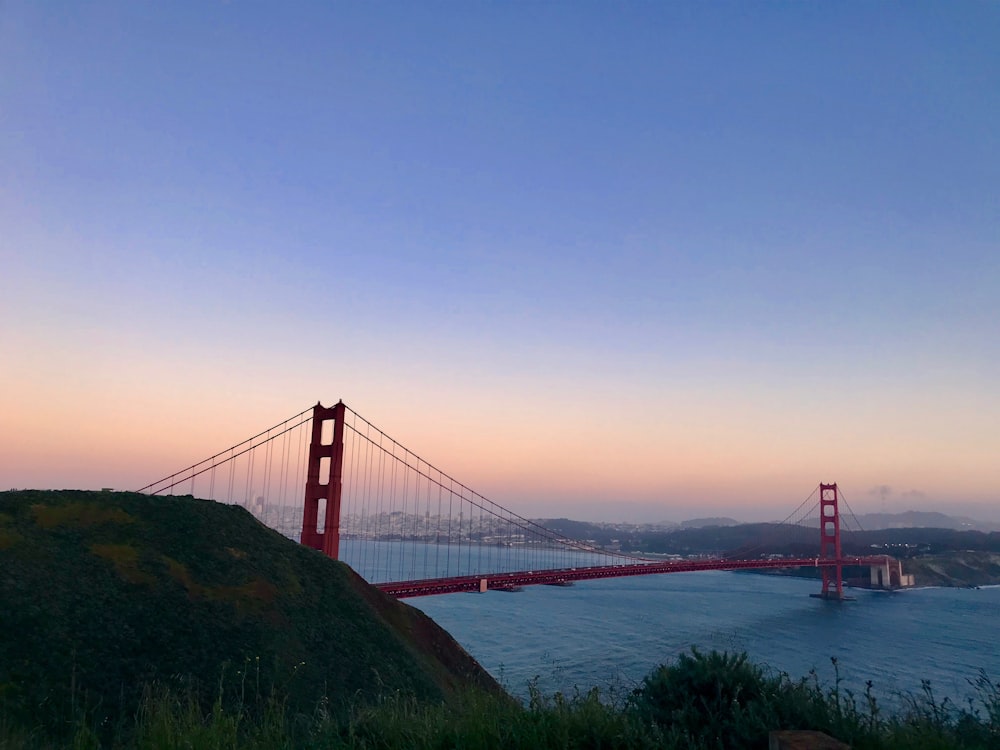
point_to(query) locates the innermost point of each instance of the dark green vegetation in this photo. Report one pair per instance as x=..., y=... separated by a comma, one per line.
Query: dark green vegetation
x=129, y=621
x=710, y=701
x=104, y=593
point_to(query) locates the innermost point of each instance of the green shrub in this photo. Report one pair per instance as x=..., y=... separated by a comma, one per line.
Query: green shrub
x=711, y=700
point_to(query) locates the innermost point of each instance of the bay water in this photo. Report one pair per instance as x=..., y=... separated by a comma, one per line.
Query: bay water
x=611, y=633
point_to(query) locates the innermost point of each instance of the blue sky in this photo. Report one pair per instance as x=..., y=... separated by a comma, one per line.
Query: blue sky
x=759, y=238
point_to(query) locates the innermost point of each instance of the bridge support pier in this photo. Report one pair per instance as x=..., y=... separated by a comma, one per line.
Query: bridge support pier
x=889, y=576
x=881, y=576
x=324, y=481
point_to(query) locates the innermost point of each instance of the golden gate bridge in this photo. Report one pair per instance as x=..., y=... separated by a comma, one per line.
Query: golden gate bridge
x=410, y=529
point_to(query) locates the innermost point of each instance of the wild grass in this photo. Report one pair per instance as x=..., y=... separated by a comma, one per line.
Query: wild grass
x=701, y=701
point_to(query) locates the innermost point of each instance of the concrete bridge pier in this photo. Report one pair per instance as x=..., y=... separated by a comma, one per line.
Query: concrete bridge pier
x=889, y=576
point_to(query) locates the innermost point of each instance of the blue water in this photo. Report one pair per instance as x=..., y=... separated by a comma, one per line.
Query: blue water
x=611, y=633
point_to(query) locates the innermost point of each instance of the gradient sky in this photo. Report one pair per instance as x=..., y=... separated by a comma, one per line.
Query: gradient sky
x=606, y=260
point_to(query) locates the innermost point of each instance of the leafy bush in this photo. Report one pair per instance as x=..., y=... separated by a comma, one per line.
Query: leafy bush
x=714, y=699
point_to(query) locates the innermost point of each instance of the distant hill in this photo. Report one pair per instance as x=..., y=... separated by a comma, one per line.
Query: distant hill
x=582, y=530
x=751, y=539
x=699, y=523
x=912, y=519
x=105, y=592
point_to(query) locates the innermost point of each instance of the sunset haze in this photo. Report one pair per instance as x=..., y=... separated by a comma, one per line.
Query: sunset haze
x=608, y=261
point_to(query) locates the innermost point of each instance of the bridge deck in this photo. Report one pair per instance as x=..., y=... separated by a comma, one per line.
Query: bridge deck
x=404, y=589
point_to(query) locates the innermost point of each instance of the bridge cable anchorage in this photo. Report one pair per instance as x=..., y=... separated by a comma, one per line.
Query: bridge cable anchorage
x=380, y=507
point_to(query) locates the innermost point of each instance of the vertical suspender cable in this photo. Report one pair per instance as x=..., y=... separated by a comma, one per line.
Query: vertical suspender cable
x=232, y=473
x=382, y=455
x=246, y=490
x=266, y=480
x=403, y=576
x=365, y=509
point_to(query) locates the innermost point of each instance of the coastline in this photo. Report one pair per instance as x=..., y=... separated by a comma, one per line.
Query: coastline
x=968, y=569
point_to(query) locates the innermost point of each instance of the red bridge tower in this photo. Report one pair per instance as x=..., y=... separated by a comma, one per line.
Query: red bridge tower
x=324, y=480
x=829, y=541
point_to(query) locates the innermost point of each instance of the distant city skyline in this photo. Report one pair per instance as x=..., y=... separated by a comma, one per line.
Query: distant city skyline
x=637, y=261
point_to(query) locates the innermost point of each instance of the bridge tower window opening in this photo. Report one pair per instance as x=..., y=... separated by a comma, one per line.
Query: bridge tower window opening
x=320, y=515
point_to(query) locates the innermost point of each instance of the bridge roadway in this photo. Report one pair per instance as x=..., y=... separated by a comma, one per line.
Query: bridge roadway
x=563, y=576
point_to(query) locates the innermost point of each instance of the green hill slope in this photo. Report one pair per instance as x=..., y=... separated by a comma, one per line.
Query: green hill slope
x=101, y=593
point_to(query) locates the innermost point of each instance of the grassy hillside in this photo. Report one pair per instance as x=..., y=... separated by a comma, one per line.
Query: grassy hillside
x=136, y=622
x=103, y=593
